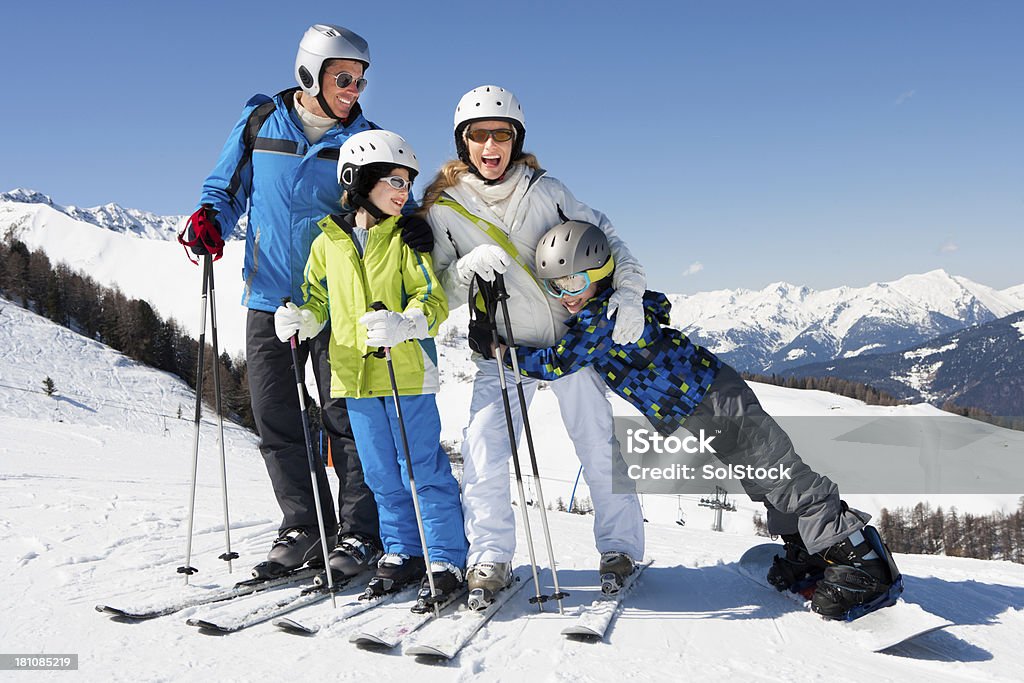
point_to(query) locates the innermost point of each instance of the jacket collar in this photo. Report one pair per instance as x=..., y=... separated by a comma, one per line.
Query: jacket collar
x=337, y=225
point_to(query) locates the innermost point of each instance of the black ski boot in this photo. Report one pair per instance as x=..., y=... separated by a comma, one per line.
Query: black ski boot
x=484, y=580
x=394, y=572
x=614, y=569
x=292, y=549
x=798, y=571
x=861, y=577
x=353, y=555
x=448, y=584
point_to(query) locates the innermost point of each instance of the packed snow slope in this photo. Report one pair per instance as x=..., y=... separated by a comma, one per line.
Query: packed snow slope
x=94, y=483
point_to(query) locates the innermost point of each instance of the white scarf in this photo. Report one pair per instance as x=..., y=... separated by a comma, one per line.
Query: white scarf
x=502, y=198
x=312, y=125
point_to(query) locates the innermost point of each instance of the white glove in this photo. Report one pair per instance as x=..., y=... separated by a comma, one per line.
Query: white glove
x=628, y=309
x=388, y=328
x=289, y=319
x=485, y=261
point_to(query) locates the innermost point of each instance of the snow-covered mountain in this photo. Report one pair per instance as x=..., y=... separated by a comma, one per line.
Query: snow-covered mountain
x=979, y=367
x=774, y=329
x=94, y=483
x=110, y=216
x=783, y=326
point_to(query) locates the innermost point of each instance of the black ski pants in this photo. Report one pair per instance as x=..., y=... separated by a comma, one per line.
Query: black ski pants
x=275, y=408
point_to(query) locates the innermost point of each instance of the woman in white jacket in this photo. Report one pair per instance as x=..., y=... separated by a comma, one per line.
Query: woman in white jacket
x=488, y=210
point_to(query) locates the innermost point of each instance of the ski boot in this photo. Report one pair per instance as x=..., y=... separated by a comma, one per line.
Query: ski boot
x=484, y=580
x=448, y=583
x=614, y=569
x=798, y=571
x=861, y=577
x=353, y=555
x=292, y=549
x=395, y=571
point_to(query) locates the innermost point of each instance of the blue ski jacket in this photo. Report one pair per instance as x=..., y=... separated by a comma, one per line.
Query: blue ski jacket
x=286, y=185
x=663, y=374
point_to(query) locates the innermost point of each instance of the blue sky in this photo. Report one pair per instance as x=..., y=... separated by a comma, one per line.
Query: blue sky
x=733, y=144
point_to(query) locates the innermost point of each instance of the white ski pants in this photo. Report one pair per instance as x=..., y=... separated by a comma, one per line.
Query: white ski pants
x=486, y=485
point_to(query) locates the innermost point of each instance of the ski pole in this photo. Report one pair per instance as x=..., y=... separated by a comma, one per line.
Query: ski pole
x=501, y=297
x=187, y=569
x=386, y=351
x=293, y=342
x=490, y=306
x=227, y=555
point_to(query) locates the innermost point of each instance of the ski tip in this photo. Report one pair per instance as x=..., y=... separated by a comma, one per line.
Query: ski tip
x=368, y=640
x=582, y=633
x=427, y=652
x=292, y=626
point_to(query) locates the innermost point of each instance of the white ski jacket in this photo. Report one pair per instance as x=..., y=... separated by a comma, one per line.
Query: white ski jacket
x=537, y=319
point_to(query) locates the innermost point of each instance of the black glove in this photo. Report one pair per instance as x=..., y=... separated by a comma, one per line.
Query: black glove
x=480, y=338
x=416, y=233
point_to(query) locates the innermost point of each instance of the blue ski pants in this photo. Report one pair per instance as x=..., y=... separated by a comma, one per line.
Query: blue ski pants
x=379, y=439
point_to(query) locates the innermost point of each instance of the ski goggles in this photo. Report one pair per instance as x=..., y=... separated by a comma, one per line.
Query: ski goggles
x=397, y=182
x=480, y=135
x=567, y=285
x=345, y=79
x=577, y=283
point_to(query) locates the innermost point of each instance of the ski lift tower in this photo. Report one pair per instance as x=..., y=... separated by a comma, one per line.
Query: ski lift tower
x=719, y=503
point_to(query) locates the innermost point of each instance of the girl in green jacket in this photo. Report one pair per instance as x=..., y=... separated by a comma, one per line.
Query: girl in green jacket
x=359, y=259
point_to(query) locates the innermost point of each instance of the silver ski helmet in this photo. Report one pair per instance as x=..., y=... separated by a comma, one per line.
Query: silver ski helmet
x=488, y=103
x=572, y=255
x=320, y=43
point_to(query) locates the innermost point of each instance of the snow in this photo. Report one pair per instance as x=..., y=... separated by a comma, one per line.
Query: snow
x=94, y=483
x=924, y=352
x=864, y=349
x=788, y=312
x=1020, y=328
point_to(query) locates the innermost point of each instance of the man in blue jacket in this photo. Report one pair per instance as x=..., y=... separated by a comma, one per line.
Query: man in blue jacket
x=279, y=167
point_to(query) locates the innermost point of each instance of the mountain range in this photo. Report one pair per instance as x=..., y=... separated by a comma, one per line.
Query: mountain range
x=856, y=333
x=783, y=326
x=980, y=367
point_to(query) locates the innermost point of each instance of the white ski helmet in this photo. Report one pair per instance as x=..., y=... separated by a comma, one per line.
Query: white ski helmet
x=489, y=103
x=320, y=43
x=374, y=147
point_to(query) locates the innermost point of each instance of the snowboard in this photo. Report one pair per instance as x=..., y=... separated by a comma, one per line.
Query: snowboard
x=875, y=631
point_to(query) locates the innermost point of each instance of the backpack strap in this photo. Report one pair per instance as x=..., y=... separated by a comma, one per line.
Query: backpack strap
x=257, y=117
x=492, y=231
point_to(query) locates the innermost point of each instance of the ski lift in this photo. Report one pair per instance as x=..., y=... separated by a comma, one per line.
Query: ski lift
x=680, y=517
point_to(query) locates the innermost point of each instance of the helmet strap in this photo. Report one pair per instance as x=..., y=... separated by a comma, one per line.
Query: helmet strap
x=322, y=101
x=370, y=208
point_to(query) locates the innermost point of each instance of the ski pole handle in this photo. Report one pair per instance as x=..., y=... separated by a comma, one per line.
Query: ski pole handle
x=381, y=351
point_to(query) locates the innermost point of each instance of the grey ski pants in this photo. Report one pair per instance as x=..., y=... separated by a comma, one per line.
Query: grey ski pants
x=808, y=502
x=275, y=407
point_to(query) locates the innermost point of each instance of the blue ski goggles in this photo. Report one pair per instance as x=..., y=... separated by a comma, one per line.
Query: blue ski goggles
x=567, y=285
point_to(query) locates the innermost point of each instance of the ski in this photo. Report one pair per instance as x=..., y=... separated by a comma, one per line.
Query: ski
x=346, y=611
x=281, y=602
x=876, y=631
x=594, y=619
x=389, y=630
x=445, y=637
x=201, y=597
